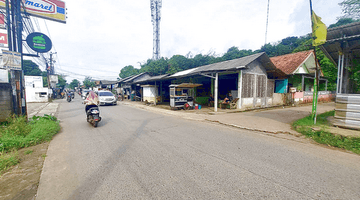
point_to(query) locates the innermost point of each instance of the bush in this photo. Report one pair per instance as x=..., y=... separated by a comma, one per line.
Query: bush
x=19, y=134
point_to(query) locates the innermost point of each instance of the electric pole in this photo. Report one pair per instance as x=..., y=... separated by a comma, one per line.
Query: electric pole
x=15, y=28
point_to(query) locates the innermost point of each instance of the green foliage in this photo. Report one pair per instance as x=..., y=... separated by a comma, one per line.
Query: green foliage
x=8, y=159
x=31, y=68
x=355, y=76
x=36, y=131
x=62, y=81
x=17, y=126
x=155, y=67
x=88, y=83
x=320, y=120
x=45, y=83
x=350, y=8
x=128, y=71
x=328, y=68
x=179, y=63
x=322, y=136
x=343, y=21
x=234, y=53
x=74, y=83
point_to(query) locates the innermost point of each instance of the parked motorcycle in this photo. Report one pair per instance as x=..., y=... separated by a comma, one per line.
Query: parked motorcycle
x=68, y=97
x=93, y=114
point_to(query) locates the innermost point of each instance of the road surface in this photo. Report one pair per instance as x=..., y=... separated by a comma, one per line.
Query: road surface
x=136, y=154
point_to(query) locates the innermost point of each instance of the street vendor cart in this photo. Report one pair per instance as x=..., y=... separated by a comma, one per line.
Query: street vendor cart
x=182, y=95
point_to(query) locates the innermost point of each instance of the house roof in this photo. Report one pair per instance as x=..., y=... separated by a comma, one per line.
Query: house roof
x=231, y=65
x=289, y=63
x=153, y=78
x=131, y=78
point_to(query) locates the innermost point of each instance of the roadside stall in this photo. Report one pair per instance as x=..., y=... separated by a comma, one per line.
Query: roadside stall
x=182, y=95
x=150, y=93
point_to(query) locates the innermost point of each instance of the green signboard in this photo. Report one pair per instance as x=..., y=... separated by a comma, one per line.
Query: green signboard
x=39, y=42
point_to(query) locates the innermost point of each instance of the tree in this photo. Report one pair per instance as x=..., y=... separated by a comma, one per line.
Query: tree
x=62, y=81
x=200, y=60
x=343, y=21
x=179, y=63
x=128, y=71
x=350, y=8
x=156, y=67
x=74, y=83
x=88, y=83
x=31, y=68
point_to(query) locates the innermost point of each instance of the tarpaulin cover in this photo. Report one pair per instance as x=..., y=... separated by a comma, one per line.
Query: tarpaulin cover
x=92, y=99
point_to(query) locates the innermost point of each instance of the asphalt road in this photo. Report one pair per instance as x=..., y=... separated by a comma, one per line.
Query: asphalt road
x=136, y=154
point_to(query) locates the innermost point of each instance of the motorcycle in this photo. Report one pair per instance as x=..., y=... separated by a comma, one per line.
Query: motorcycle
x=68, y=97
x=93, y=114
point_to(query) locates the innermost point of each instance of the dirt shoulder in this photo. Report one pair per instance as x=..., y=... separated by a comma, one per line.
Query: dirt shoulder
x=22, y=180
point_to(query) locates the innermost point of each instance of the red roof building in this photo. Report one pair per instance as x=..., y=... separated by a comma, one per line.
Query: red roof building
x=300, y=68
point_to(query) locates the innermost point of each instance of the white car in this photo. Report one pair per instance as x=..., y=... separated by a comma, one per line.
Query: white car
x=84, y=93
x=106, y=98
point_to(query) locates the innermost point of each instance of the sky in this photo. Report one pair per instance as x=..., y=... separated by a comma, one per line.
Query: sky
x=101, y=37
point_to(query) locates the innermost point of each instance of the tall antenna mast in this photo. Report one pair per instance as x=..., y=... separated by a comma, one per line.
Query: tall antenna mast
x=267, y=22
x=155, y=6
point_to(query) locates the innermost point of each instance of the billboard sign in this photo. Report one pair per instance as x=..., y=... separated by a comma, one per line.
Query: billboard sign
x=48, y=9
x=10, y=60
x=39, y=42
x=3, y=40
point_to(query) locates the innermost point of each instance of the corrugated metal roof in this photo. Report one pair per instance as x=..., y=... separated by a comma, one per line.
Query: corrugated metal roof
x=153, y=78
x=231, y=65
x=134, y=77
x=342, y=38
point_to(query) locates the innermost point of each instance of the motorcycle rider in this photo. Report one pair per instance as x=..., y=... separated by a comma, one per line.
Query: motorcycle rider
x=91, y=100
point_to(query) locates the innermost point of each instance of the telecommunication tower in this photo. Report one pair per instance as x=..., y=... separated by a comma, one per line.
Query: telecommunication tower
x=155, y=6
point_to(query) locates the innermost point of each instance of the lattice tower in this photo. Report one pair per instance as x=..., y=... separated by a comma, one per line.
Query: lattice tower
x=155, y=6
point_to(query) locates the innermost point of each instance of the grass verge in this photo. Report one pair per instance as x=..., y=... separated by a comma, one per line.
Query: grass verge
x=320, y=133
x=18, y=132
x=8, y=159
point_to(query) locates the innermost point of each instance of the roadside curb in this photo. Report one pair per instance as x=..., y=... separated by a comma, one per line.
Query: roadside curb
x=254, y=129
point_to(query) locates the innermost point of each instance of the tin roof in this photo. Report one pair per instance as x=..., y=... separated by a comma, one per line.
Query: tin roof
x=345, y=39
x=131, y=78
x=289, y=63
x=231, y=65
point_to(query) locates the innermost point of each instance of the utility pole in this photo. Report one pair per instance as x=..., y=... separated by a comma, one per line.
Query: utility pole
x=50, y=70
x=22, y=104
x=14, y=28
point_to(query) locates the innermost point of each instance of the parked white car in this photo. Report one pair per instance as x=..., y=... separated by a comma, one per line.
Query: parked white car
x=106, y=98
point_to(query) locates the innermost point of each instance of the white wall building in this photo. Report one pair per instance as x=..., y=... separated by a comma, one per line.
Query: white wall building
x=35, y=92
